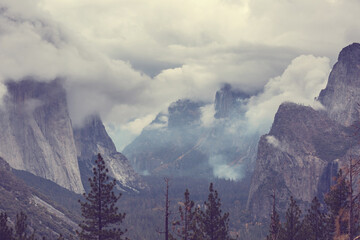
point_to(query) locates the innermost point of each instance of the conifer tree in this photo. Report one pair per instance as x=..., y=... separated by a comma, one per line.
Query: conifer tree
x=214, y=225
x=186, y=228
x=292, y=226
x=101, y=216
x=337, y=201
x=6, y=232
x=315, y=223
x=275, y=226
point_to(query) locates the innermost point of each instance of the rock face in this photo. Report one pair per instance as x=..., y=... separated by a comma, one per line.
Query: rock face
x=227, y=100
x=169, y=145
x=305, y=147
x=341, y=95
x=298, y=157
x=45, y=216
x=92, y=139
x=178, y=143
x=36, y=133
x=184, y=113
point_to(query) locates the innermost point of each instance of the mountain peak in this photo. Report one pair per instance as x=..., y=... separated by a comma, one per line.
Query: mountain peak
x=350, y=53
x=342, y=93
x=226, y=99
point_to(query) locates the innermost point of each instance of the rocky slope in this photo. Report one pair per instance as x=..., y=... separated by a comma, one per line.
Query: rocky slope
x=180, y=144
x=47, y=218
x=305, y=147
x=92, y=139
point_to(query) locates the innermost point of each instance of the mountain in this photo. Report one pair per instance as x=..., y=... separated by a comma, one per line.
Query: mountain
x=305, y=147
x=92, y=139
x=341, y=96
x=37, y=136
x=36, y=132
x=45, y=217
x=197, y=139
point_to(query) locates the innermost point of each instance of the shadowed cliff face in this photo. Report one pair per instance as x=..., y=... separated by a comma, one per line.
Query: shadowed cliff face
x=341, y=95
x=180, y=144
x=36, y=132
x=298, y=157
x=305, y=147
x=92, y=139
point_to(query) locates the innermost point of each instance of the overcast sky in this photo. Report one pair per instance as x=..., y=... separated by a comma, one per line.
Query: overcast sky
x=127, y=60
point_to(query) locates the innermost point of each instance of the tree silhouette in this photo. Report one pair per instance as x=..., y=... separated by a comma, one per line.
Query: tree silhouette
x=6, y=232
x=186, y=227
x=292, y=226
x=101, y=216
x=214, y=225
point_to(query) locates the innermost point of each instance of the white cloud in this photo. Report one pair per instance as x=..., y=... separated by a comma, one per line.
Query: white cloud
x=273, y=141
x=129, y=59
x=138, y=124
x=207, y=115
x=223, y=170
x=300, y=83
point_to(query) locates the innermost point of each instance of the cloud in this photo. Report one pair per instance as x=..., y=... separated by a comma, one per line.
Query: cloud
x=207, y=115
x=301, y=82
x=127, y=60
x=223, y=170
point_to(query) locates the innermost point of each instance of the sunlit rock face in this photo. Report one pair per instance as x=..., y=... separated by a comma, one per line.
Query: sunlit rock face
x=91, y=139
x=305, y=147
x=36, y=133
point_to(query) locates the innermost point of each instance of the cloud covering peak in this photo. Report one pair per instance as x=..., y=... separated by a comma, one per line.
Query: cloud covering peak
x=130, y=60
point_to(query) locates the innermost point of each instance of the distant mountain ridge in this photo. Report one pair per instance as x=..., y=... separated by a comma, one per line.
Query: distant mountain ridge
x=178, y=143
x=305, y=147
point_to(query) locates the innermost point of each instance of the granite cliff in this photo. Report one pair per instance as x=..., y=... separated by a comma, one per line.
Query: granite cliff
x=36, y=135
x=36, y=132
x=305, y=147
x=92, y=139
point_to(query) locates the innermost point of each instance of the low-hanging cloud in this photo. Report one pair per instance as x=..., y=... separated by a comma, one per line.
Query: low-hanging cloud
x=222, y=169
x=300, y=83
x=127, y=61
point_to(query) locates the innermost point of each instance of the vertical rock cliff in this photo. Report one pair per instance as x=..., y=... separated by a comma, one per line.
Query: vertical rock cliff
x=341, y=96
x=305, y=147
x=227, y=101
x=36, y=135
x=92, y=139
x=36, y=132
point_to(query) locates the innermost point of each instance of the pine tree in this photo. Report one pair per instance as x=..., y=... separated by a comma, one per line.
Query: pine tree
x=292, y=226
x=213, y=224
x=315, y=223
x=6, y=232
x=275, y=226
x=21, y=226
x=337, y=201
x=101, y=216
x=186, y=227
